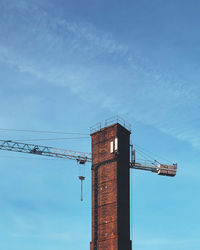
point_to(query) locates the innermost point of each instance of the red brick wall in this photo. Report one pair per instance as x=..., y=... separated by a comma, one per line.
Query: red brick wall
x=110, y=190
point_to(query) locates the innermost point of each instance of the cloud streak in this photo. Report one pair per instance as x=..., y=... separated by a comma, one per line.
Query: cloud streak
x=77, y=56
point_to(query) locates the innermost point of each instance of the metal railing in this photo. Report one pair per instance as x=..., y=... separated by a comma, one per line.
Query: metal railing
x=118, y=119
x=110, y=121
x=95, y=127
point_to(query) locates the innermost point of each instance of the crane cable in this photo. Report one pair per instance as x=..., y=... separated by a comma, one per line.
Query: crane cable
x=53, y=139
x=47, y=139
x=141, y=150
x=144, y=158
x=41, y=131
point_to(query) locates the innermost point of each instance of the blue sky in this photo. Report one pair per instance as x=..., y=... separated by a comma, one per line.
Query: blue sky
x=66, y=65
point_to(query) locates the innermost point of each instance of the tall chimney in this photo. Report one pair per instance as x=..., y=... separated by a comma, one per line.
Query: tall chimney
x=111, y=188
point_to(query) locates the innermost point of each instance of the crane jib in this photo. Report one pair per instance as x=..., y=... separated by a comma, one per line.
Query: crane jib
x=45, y=151
x=80, y=157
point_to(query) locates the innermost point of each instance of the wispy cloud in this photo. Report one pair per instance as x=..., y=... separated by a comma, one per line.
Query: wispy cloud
x=77, y=56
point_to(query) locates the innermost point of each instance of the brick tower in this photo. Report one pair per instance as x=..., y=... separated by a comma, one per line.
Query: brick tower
x=111, y=188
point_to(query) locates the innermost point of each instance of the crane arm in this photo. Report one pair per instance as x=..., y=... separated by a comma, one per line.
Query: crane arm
x=140, y=166
x=160, y=169
x=10, y=145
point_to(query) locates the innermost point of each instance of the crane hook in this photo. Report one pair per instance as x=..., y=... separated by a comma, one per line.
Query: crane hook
x=81, y=178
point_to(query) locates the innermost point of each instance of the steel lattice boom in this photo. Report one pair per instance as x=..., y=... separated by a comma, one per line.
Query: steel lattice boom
x=10, y=145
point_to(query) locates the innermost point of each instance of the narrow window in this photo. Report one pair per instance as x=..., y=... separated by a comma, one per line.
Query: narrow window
x=111, y=147
x=116, y=144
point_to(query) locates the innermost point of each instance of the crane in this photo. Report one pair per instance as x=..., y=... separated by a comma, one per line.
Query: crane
x=112, y=158
x=83, y=157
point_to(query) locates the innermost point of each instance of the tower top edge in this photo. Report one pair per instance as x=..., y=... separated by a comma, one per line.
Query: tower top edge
x=111, y=122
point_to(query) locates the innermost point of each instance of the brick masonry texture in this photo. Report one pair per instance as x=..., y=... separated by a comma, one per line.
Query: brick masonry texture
x=110, y=189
